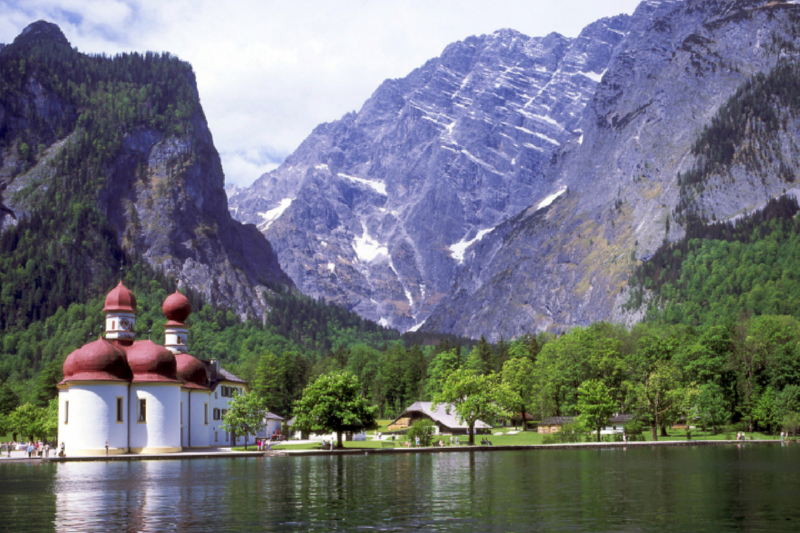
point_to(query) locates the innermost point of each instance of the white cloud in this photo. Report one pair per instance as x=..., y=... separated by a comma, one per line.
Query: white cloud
x=269, y=71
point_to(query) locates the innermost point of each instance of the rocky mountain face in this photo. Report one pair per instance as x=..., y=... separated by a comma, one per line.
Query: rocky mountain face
x=567, y=263
x=384, y=209
x=98, y=128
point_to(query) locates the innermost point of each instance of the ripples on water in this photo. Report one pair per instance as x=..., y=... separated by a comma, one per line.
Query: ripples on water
x=754, y=488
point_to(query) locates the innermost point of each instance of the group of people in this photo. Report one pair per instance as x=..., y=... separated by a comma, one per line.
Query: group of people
x=740, y=435
x=264, y=444
x=454, y=441
x=32, y=448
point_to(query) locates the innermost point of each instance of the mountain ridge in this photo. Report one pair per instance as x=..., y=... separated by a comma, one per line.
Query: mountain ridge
x=378, y=210
x=125, y=139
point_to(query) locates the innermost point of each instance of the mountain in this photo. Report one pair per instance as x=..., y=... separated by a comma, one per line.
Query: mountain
x=658, y=147
x=381, y=210
x=107, y=161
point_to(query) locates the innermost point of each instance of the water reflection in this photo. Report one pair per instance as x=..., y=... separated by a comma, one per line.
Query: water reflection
x=688, y=489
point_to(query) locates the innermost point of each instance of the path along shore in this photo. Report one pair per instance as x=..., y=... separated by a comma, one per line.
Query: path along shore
x=224, y=453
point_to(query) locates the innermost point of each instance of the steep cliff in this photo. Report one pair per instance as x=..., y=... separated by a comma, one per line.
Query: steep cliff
x=108, y=154
x=380, y=210
x=568, y=263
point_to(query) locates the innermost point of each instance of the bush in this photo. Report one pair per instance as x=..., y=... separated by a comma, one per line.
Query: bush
x=612, y=437
x=634, y=430
x=568, y=433
x=424, y=429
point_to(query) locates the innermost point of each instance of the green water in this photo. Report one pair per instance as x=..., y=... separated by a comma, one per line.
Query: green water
x=730, y=488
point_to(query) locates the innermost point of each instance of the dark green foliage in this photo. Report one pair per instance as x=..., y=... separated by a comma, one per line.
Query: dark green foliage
x=719, y=270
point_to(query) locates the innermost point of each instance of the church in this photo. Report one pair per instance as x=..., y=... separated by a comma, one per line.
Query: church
x=135, y=396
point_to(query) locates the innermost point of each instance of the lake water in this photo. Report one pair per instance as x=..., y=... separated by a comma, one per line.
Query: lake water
x=729, y=488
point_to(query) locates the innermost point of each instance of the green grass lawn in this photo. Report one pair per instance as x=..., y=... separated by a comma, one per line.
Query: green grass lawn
x=383, y=426
x=522, y=438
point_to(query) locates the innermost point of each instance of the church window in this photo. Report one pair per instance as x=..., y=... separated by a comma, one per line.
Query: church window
x=66, y=412
x=120, y=416
x=216, y=436
x=205, y=412
x=181, y=413
x=143, y=410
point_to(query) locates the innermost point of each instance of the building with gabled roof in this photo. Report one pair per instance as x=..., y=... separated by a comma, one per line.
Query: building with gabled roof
x=445, y=423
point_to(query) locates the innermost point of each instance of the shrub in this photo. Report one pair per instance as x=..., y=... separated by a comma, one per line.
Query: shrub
x=634, y=429
x=569, y=433
x=424, y=429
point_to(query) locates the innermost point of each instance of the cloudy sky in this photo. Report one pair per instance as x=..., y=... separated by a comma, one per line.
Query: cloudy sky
x=270, y=70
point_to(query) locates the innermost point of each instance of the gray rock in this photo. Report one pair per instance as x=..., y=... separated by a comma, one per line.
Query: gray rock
x=380, y=210
x=569, y=264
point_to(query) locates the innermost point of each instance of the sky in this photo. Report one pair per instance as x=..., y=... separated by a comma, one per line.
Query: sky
x=269, y=71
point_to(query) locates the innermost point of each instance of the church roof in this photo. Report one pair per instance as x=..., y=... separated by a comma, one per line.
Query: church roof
x=177, y=308
x=120, y=299
x=97, y=361
x=151, y=362
x=191, y=371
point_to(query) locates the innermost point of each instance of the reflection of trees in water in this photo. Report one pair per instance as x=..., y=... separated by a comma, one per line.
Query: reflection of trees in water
x=27, y=497
x=675, y=489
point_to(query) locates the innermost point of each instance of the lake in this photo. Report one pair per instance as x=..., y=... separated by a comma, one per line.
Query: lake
x=725, y=488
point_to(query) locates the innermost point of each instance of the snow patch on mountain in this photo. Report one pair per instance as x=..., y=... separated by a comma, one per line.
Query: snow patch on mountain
x=378, y=187
x=458, y=249
x=367, y=248
x=551, y=198
x=273, y=214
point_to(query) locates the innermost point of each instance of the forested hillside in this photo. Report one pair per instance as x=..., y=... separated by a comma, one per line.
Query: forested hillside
x=720, y=270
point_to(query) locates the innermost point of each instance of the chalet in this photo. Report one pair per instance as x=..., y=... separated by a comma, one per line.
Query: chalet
x=554, y=424
x=445, y=423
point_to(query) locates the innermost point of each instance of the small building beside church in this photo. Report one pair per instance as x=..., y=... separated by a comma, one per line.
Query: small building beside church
x=122, y=395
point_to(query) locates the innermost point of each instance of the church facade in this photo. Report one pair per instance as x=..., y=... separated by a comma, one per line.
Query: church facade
x=122, y=395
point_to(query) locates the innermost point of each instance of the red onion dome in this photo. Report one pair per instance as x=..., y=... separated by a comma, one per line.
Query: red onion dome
x=97, y=361
x=177, y=307
x=120, y=299
x=191, y=372
x=151, y=362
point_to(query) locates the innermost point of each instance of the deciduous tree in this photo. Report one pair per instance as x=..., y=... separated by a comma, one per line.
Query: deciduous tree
x=245, y=416
x=334, y=403
x=595, y=405
x=474, y=396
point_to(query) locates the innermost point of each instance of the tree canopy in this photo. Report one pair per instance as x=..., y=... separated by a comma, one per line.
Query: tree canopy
x=334, y=403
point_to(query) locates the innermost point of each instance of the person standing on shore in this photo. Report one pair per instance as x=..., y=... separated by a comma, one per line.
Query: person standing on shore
x=106, y=448
x=47, y=449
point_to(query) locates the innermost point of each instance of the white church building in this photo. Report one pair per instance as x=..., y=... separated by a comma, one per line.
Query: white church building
x=136, y=396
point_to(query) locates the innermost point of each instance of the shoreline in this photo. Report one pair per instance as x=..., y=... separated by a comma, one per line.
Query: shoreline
x=370, y=451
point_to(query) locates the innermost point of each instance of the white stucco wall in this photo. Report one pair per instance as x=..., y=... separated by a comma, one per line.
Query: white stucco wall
x=216, y=400
x=93, y=418
x=201, y=432
x=184, y=418
x=63, y=430
x=161, y=432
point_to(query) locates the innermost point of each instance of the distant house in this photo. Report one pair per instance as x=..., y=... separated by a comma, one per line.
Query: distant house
x=445, y=423
x=554, y=424
x=272, y=424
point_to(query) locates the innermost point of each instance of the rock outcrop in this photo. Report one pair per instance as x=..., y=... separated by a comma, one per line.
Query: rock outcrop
x=159, y=178
x=381, y=210
x=568, y=263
